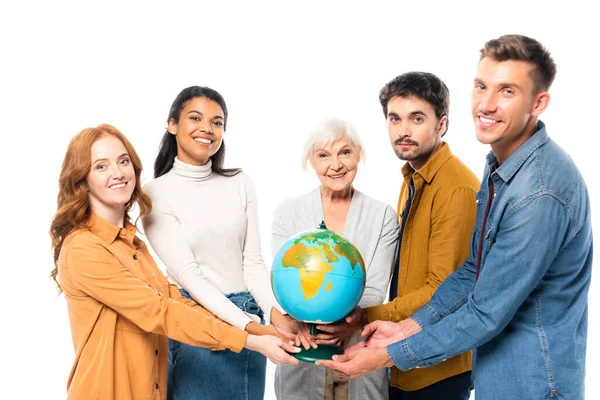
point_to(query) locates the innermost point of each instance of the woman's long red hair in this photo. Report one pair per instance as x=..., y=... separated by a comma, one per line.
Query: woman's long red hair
x=73, y=206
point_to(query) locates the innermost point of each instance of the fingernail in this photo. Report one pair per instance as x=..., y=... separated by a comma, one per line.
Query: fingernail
x=334, y=357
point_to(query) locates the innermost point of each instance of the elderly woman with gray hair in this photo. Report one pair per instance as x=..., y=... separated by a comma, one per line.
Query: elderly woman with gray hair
x=333, y=150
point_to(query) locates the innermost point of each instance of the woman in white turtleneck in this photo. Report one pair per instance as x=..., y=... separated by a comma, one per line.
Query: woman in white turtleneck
x=204, y=228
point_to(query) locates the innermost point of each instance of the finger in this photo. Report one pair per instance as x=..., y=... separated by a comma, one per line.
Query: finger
x=326, y=336
x=334, y=341
x=330, y=364
x=369, y=328
x=353, y=316
x=330, y=328
x=341, y=358
x=288, y=335
x=289, y=347
x=305, y=341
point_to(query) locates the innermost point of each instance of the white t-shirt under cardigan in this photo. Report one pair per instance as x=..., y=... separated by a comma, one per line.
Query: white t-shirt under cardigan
x=204, y=228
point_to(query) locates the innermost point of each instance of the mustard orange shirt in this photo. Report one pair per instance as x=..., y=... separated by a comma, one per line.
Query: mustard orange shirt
x=435, y=242
x=122, y=309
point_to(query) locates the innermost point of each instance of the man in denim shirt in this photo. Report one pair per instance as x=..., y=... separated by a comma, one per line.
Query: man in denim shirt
x=520, y=299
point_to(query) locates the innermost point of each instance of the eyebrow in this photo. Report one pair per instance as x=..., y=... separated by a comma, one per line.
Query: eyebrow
x=412, y=114
x=199, y=113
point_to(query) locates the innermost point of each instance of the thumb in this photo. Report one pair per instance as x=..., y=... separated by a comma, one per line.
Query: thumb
x=353, y=316
x=289, y=347
x=369, y=328
x=341, y=357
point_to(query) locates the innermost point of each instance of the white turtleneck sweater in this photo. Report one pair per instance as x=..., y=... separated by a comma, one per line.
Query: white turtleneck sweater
x=204, y=228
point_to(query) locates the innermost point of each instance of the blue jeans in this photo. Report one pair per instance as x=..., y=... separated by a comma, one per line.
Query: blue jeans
x=199, y=373
x=457, y=387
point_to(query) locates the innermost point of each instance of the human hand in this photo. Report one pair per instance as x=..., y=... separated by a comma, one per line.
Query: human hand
x=343, y=330
x=358, y=361
x=254, y=328
x=380, y=334
x=304, y=336
x=285, y=324
x=273, y=348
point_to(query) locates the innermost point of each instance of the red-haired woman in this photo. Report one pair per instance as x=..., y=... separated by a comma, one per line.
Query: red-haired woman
x=121, y=307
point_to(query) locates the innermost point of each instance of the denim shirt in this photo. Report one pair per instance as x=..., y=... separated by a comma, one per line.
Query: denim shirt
x=526, y=314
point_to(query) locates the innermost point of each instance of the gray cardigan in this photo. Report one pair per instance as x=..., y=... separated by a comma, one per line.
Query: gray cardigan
x=372, y=226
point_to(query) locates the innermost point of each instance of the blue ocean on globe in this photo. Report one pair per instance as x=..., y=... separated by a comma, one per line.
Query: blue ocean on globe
x=318, y=276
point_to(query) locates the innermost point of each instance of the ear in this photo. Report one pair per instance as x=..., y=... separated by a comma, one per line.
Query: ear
x=172, y=127
x=540, y=103
x=442, y=125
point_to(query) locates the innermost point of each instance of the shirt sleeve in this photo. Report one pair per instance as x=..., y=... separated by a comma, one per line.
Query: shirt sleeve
x=256, y=275
x=92, y=269
x=168, y=241
x=379, y=271
x=451, y=231
x=511, y=272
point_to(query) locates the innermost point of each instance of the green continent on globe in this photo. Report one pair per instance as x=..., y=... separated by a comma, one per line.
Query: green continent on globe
x=311, y=266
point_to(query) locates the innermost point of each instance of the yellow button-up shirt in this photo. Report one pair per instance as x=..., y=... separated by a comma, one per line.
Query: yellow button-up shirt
x=435, y=242
x=122, y=309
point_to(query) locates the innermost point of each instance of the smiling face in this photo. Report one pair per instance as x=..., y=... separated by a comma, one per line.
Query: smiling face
x=504, y=105
x=111, y=179
x=336, y=164
x=199, y=131
x=415, y=131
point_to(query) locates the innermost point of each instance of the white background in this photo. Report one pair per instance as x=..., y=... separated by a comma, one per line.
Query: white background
x=281, y=67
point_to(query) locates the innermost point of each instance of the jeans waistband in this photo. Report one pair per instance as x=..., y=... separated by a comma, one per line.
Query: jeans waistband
x=242, y=300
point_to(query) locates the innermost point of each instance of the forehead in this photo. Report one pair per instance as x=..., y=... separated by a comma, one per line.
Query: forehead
x=493, y=72
x=107, y=146
x=402, y=105
x=204, y=105
x=336, y=144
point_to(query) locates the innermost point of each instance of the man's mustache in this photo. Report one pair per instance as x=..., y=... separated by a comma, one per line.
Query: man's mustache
x=404, y=140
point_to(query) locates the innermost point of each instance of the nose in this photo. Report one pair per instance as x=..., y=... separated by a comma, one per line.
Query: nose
x=117, y=173
x=336, y=163
x=207, y=128
x=403, y=131
x=487, y=103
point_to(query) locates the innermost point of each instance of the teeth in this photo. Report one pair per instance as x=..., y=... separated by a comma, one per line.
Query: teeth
x=118, y=186
x=487, y=120
x=337, y=176
x=202, y=140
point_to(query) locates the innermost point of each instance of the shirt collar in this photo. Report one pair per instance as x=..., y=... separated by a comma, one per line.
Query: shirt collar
x=512, y=164
x=432, y=166
x=109, y=232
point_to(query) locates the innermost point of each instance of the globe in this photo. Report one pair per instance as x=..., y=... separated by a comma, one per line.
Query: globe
x=318, y=276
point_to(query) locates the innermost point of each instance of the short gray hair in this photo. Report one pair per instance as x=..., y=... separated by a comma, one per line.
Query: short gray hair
x=327, y=132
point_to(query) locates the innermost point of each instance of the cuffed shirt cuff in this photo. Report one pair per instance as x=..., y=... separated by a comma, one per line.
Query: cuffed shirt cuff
x=425, y=316
x=402, y=356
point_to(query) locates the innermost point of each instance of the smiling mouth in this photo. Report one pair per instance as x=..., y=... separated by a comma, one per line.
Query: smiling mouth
x=118, y=185
x=202, y=140
x=488, y=121
x=336, y=176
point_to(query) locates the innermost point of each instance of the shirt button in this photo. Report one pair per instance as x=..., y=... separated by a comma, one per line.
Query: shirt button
x=135, y=256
